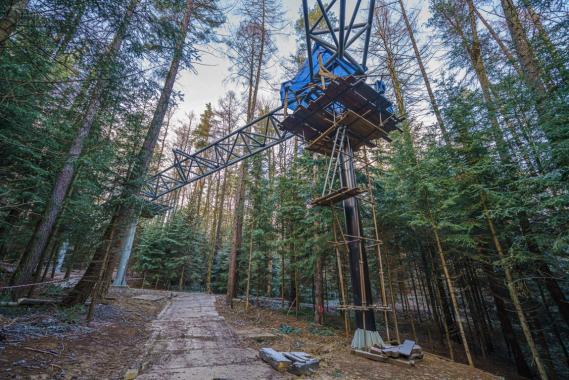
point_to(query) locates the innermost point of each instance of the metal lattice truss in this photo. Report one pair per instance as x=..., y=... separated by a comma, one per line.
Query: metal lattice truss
x=338, y=28
x=258, y=135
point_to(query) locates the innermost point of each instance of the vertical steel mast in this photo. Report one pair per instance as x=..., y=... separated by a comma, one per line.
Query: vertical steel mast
x=359, y=271
x=339, y=39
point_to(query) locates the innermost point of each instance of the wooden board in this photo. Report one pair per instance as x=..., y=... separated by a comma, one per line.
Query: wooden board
x=392, y=352
x=337, y=196
x=369, y=355
x=364, y=115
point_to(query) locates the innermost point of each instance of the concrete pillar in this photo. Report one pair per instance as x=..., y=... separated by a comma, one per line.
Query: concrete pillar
x=61, y=256
x=126, y=249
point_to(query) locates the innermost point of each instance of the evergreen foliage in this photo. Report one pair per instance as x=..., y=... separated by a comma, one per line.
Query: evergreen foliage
x=477, y=176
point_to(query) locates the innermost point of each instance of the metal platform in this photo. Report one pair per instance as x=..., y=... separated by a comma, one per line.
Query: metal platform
x=346, y=102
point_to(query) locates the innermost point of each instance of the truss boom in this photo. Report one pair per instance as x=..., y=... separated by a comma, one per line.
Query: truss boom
x=257, y=136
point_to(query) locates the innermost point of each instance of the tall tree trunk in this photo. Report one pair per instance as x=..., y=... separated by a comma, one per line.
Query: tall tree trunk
x=214, y=225
x=528, y=61
x=425, y=76
x=240, y=199
x=219, y=223
x=318, y=280
x=249, y=266
x=544, y=36
x=126, y=213
x=39, y=239
x=341, y=287
x=474, y=51
x=318, y=291
x=542, y=268
x=237, y=232
x=451, y=291
x=506, y=325
x=513, y=293
x=500, y=43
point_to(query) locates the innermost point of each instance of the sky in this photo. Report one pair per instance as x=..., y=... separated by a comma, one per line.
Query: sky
x=209, y=80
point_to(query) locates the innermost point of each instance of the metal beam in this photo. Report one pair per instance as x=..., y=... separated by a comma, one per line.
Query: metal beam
x=368, y=32
x=356, y=26
x=328, y=7
x=342, y=31
x=257, y=136
x=307, y=31
x=328, y=22
x=248, y=140
x=359, y=269
x=340, y=34
x=354, y=15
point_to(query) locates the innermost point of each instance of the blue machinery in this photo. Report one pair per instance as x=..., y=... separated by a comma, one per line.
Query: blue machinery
x=327, y=104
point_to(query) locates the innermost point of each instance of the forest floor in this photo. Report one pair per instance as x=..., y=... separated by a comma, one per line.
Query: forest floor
x=173, y=332
x=48, y=342
x=332, y=347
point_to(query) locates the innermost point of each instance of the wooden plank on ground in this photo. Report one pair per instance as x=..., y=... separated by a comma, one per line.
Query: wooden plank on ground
x=369, y=355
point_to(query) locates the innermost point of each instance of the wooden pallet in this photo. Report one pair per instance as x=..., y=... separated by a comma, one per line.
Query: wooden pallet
x=337, y=196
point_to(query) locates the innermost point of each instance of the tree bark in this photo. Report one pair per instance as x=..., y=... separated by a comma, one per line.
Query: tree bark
x=513, y=293
x=544, y=36
x=44, y=229
x=543, y=270
x=318, y=292
x=505, y=323
x=125, y=213
x=239, y=204
x=474, y=52
x=425, y=76
x=529, y=64
x=499, y=41
x=249, y=266
x=237, y=233
x=451, y=291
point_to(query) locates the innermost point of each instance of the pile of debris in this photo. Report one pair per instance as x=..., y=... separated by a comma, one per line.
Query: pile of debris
x=297, y=363
x=408, y=352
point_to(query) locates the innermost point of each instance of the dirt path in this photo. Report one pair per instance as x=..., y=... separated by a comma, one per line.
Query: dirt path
x=190, y=340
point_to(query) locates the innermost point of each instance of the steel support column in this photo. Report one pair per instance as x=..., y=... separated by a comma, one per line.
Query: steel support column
x=126, y=249
x=364, y=319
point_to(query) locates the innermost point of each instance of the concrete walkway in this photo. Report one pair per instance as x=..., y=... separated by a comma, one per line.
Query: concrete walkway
x=190, y=340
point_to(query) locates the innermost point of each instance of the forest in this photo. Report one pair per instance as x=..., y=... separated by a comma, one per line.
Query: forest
x=466, y=209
